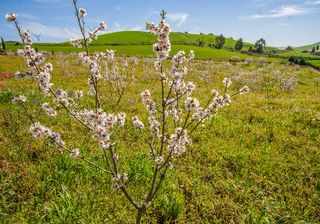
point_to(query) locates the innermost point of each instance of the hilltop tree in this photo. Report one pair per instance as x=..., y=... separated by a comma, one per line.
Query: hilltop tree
x=260, y=45
x=201, y=43
x=38, y=36
x=313, y=50
x=239, y=45
x=220, y=41
x=3, y=44
x=289, y=48
x=317, y=47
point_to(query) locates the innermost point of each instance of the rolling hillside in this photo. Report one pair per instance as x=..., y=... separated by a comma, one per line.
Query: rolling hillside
x=145, y=38
x=138, y=43
x=307, y=47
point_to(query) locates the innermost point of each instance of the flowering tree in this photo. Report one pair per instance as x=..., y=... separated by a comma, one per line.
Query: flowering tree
x=172, y=117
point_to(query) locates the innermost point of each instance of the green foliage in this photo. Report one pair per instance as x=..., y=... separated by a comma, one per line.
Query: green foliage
x=239, y=45
x=3, y=43
x=168, y=206
x=260, y=45
x=220, y=41
x=289, y=48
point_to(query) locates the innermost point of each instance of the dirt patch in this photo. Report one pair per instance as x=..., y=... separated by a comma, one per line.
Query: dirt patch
x=2, y=84
x=5, y=75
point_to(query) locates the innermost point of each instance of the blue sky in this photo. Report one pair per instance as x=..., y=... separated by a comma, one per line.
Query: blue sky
x=280, y=22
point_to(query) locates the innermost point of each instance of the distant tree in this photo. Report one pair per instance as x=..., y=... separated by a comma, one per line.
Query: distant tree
x=313, y=50
x=260, y=45
x=292, y=59
x=201, y=43
x=250, y=49
x=3, y=43
x=201, y=33
x=220, y=41
x=239, y=45
x=37, y=36
x=302, y=62
x=317, y=47
x=289, y=48
x=186, y=32
x=211, y=34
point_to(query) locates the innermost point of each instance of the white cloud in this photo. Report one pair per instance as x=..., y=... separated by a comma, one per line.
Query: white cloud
x=118, y=27
x=47, y=1
x=284, y=24
x=26, y=16
x=283, y=11
x=137, y=28
x=181, y=18
x=178, y=17
x=314, y=2
x=56, y=32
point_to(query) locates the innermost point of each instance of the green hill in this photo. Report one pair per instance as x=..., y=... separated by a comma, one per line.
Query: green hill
x=145, y=38
x=138, y=43
x=307, y=47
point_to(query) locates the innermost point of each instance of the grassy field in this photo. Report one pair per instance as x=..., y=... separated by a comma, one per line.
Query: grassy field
x=141, y=42
x=296, y=53
x=314, y=62
x=143, y=50
x=307, y=47
x=257, y=161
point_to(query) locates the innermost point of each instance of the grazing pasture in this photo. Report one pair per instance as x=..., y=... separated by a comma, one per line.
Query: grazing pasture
x=256, y=161
x=156, y=127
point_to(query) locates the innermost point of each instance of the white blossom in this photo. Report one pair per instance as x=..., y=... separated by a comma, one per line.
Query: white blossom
x=137, y=123
x=82, y=12
x=191, y=104
x=11, y=17
x=75, y=153
x=48, y=110
x=79, y=93
x=178, y=141
x=18, y=99
x=39, y=131
x=76, y=43
x=244, y=90
x=227, y=82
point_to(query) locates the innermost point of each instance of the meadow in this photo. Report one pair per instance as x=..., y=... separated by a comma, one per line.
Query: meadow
x=257, y=161
x=152, y=134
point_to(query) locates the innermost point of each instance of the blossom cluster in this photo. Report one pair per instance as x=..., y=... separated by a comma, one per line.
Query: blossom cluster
x=48, y=110
x=95, y=69
x=178, y=72
x=76, y=43
x=39, y=131
x=92, y=34
x=163, y=45
x=35, y=61
x=178, y=141
x=138, y=124
x=101, y=123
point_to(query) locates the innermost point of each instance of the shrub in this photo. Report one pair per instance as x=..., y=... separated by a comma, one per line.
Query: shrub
x=172, y=118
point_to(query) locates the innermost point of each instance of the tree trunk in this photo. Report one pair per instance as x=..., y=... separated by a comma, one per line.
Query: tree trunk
x=141, y=212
